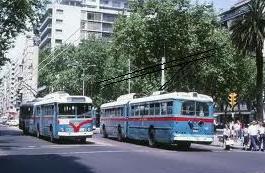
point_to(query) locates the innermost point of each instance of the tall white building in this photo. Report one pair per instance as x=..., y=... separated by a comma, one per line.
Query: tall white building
x=70, y=21
x=19, y=77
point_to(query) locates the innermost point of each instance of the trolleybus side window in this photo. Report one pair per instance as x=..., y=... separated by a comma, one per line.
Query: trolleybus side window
x=163, y=108
x=132, y=110
x=152, y=109
x=141, y=108
x=188, y=108
x=169, y=108
x=137, y=110
x=146, y=109
x=157, y=109
x=202, y=109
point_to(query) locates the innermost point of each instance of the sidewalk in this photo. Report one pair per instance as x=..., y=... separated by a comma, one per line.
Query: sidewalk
x=218, y=141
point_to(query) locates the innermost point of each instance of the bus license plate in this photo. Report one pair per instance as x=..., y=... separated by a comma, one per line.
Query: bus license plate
x=195, y=130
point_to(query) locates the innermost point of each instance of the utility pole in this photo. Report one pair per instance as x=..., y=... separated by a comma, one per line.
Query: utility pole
x=163, y=71
x=129, y=81
x=83, y=82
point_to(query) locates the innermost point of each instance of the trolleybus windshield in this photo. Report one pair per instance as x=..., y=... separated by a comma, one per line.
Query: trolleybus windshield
x=192, y=108
x=75, y=110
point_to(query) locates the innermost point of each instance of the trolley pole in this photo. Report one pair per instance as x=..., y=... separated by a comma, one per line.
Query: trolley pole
x=83, y=82
x=163, y=71
x=129, y=81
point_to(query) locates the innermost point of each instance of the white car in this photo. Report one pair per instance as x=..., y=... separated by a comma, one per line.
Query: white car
x=12, y=122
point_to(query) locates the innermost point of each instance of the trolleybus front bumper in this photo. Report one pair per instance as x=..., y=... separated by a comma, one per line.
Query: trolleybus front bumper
x=194, y=138
x=75, y=134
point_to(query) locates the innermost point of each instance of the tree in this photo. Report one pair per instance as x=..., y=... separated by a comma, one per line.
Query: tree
x=15, y=16
x=248, y=33
x=176, y=29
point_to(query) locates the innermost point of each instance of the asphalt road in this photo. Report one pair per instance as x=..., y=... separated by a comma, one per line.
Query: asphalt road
x=27, y=154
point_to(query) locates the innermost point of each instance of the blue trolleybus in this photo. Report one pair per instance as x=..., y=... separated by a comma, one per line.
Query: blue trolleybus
x=181, y=118
x=26, y=116
x=60, y=116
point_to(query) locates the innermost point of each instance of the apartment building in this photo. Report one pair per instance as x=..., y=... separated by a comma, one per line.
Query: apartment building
x=70, y=21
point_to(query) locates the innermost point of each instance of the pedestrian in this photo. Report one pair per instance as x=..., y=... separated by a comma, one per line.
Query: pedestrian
x=226, y=133
x=237, y=127
x=253, y=134
x=246, y=137
x=262, y=137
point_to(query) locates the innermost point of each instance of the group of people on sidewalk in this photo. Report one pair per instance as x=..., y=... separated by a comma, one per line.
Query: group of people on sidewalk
x=252, y=134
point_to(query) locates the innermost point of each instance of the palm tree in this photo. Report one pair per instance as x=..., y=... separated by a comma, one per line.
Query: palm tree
x=248, y=33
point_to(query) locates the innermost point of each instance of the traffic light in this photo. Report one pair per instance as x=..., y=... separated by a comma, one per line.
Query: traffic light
x=232, y=99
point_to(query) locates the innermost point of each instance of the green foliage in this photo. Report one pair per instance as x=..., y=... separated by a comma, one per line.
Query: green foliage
x=171, y=28
x=15, y=16
x=248, y=33
x=68, y=63
x=176, y=29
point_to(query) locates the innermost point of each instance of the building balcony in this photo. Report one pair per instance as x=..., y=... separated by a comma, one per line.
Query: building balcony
x=45, y=41
x=46, y=22
x=46, y=31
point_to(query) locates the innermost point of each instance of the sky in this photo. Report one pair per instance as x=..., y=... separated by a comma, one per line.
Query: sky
x=220, y=4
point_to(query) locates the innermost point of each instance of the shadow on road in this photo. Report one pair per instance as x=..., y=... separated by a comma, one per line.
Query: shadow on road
x=10, y=132
x=42, y=164
x=171, y=147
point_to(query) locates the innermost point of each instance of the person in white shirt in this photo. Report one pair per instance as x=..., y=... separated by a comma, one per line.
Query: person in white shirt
x=226, y=133
x=246, y=137
x=237, y=127
x=262, y=137
x=253, y=134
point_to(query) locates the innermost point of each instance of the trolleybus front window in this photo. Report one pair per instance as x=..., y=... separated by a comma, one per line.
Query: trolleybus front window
x=188, y=108
x=78, y=110
x=202, y=109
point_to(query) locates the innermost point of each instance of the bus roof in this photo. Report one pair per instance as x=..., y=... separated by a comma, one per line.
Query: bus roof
x=168, y=96
x=62, y=97
x=175, y=96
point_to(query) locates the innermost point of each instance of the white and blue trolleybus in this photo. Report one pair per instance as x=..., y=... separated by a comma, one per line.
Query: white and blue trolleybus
x=61, y=116
x=178, y=117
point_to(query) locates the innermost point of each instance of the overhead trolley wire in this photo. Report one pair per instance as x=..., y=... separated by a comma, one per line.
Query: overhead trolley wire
x=143, y=74
x=155, y=65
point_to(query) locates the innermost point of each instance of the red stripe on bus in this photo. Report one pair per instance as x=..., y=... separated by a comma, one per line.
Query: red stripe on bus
x=77, y=128
x=177, y=119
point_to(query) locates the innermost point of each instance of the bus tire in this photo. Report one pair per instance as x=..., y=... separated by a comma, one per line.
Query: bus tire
x=83, y=140
x=104, y=132
x=184, y=145
x=51, y=135
x=119, y=133
x=38, y=131
x=151, y=136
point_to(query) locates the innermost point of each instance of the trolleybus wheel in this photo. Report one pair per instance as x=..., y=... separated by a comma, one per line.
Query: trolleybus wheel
x=119, y=133
x=38, y=133
x=104, y=132
x=151, y=136
x=83, y=140
x=51, y=135
x=184, y=145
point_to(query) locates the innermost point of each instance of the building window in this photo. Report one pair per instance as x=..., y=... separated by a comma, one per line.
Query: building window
x=59, y=11
x=116, y=3
x=59, y=21
x=59, y=30
x=94, y=26
x=94, y=16
x=105, y=2
x=58, y=41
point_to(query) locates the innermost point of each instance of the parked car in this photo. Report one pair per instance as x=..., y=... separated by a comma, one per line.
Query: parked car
x=12, y=122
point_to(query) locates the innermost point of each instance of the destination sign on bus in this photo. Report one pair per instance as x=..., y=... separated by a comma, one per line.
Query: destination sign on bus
x=76, y=99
